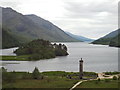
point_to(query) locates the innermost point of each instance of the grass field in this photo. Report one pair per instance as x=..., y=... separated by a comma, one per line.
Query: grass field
x=52, y=79
x=47, y=82
x=99, y=84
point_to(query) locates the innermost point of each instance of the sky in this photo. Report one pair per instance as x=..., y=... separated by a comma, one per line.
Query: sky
x=89, y=18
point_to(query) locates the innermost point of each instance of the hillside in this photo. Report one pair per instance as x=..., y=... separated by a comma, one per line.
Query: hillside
x=53, y=32
x=111, y=39
x=115, y=42
x=29, y=27
x=8, y=40
x=112, y=34
x=80, y=38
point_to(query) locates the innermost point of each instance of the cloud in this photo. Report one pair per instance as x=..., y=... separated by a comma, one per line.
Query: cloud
x=13, y=3
x=79, y=9
x=90, y=18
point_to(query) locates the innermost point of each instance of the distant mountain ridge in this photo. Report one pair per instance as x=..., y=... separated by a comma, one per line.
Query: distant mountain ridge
x=78, y=37
x=111, y=39
x=32, y=27
x=50, y=28
x=112, y=34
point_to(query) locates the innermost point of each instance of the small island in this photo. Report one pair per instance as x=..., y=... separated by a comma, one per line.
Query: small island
x=41, y=49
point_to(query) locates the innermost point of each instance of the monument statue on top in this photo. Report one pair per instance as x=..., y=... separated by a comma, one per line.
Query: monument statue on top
x=81, y=69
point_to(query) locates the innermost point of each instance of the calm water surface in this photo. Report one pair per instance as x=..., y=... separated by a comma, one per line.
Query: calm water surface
x=97, y=58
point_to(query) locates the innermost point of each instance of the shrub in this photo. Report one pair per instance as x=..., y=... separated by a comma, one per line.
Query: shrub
x=115, y=78
x=118, y=77
x=3, y=70
x=98, y=79
x=35, y=73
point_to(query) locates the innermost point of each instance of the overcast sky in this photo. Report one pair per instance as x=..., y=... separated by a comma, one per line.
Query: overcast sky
x=89, y=18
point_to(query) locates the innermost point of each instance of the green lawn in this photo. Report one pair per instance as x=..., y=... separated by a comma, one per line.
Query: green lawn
x=99, y=84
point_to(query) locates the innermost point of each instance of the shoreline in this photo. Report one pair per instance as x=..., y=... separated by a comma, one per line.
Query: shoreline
x=20, y=58
x=59, y=70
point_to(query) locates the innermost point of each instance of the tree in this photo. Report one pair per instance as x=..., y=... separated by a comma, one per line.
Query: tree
x=60, y=46
x=65, y=48
x=115, y=78
x=118, y=77
x=35, y=73
x=3, y=70
x=41, y=49
x=99, y=79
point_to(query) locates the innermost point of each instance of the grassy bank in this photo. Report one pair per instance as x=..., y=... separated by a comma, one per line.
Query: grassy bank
x=15, y=58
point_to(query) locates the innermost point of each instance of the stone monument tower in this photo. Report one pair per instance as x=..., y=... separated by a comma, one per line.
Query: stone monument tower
x=81, y=68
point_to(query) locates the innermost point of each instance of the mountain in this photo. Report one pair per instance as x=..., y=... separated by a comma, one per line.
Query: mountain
x=80, y=38
x=32, y=27
x=111, y=39
x=112, y=34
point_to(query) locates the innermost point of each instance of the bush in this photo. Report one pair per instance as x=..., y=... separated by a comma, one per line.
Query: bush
x=118, y=77
x=35, y=73
x=3, y=69
x=60, y=52
x=115, y=78
x=98, y=79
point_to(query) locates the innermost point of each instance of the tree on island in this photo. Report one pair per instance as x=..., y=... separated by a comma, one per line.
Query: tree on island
x=41, y=49
x=64, y=47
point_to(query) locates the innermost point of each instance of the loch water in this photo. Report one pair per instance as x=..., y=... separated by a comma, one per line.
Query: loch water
x=97, y=58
